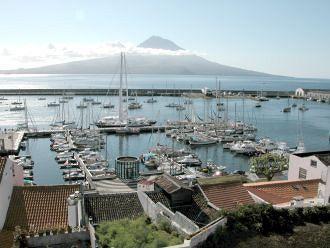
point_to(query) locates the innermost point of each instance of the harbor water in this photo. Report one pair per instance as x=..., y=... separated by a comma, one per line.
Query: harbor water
x=311, y=126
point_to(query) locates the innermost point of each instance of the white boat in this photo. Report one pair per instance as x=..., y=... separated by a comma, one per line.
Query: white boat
x=286, y=110
x=17, y=108
x=303, y=108
x=81, y=106
x=53, y=104
x=134, y=105
x=257, y=105
x=172, y=105
x=151, y=100
x=108, y=105
x=180, y=108
x=42, y=98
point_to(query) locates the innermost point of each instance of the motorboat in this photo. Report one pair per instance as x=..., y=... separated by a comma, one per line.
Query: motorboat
x=180, y=108
x=53, y=104
x=108, y=105
x=134, y=105
x=88, y=99
x=151, y=100
x=172, y=105
x=286, y=110
x=199, y=141
x=42, y=98
x=257, y=105
x=303, y=108
x=17, y=108
x=74, y=176
x=81, y=106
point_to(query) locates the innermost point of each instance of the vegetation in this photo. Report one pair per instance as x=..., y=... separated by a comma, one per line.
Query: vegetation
x=254, y=222
x=222, y=180
x=304, y=236
x=268, y=165
x=137, y=233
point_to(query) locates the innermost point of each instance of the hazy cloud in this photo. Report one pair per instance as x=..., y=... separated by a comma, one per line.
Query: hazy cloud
x=28, y=56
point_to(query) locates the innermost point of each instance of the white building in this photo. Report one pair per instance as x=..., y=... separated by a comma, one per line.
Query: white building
x=312, y=165
x=300, y=92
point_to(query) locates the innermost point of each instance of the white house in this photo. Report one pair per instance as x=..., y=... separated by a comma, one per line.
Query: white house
x=11, y=174
x=300, y=92
x=312, y=165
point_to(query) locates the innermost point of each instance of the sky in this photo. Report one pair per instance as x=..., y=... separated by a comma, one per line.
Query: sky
x=284, y=37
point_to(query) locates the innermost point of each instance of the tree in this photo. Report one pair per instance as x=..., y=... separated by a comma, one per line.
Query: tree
x=136, y=233
x=268, y=165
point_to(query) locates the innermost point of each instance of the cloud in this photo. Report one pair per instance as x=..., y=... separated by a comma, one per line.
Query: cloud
x=31, y=55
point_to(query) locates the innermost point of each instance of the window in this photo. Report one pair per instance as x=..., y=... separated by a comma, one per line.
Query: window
x=302, y=173
x=313, y=163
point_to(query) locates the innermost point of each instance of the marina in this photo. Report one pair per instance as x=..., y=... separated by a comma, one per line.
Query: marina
x=313, y=123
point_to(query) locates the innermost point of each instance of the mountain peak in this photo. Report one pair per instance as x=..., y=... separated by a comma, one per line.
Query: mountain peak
x=157, y=42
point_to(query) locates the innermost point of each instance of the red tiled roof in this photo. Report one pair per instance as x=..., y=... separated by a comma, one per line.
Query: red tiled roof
x=2, y=166
x=278, y=192
x=112, y=207
x=227, y=195
x=39, y=207
x=170, y=184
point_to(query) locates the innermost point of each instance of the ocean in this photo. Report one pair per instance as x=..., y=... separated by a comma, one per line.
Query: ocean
x=83, y=81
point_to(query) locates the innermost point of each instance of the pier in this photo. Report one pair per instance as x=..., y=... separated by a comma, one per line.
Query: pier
x=139, y=92
x=10, y=142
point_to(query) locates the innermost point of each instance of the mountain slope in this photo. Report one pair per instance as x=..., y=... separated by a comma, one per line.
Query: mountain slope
x=157, y=42
x=142, y=64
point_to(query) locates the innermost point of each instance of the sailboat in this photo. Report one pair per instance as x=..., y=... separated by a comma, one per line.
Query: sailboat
x=152, y=100
x=18, y=102
x=288, y=108
x=122, y=120
x=135, y=104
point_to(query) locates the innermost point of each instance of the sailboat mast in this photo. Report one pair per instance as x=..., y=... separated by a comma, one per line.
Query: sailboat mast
x=121, y=88
x=26, y=115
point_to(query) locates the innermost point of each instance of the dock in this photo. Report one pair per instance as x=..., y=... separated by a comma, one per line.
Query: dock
x=10, y=142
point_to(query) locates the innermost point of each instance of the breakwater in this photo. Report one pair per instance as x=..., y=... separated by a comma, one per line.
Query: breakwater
x=139, y=92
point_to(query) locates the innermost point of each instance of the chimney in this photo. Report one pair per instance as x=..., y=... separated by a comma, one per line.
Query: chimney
x=74, y=210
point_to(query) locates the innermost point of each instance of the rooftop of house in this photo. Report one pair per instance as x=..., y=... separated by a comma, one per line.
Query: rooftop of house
x=35, y=208
x=110, y=207
x=3, y=161
x=221, y=180
x=170, y=184
x=199, y=211
x=226, y=192
x=323, y=156
x=278, y=192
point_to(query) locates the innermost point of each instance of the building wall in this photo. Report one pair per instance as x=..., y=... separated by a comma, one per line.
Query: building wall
x=319, y=95
x=158, y=211
x=300, y=92
x=205, y=232
x=6, y=189
x=319, y=172
x=18, y=174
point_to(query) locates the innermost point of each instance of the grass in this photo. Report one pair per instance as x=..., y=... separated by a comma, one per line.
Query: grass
x=221, y=180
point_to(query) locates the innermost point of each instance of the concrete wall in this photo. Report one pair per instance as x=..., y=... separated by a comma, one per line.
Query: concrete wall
x=206, y=231
x=92, y=235
x=159, y=212
x=148, y=205
x=319, y=172
x=6, y=189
